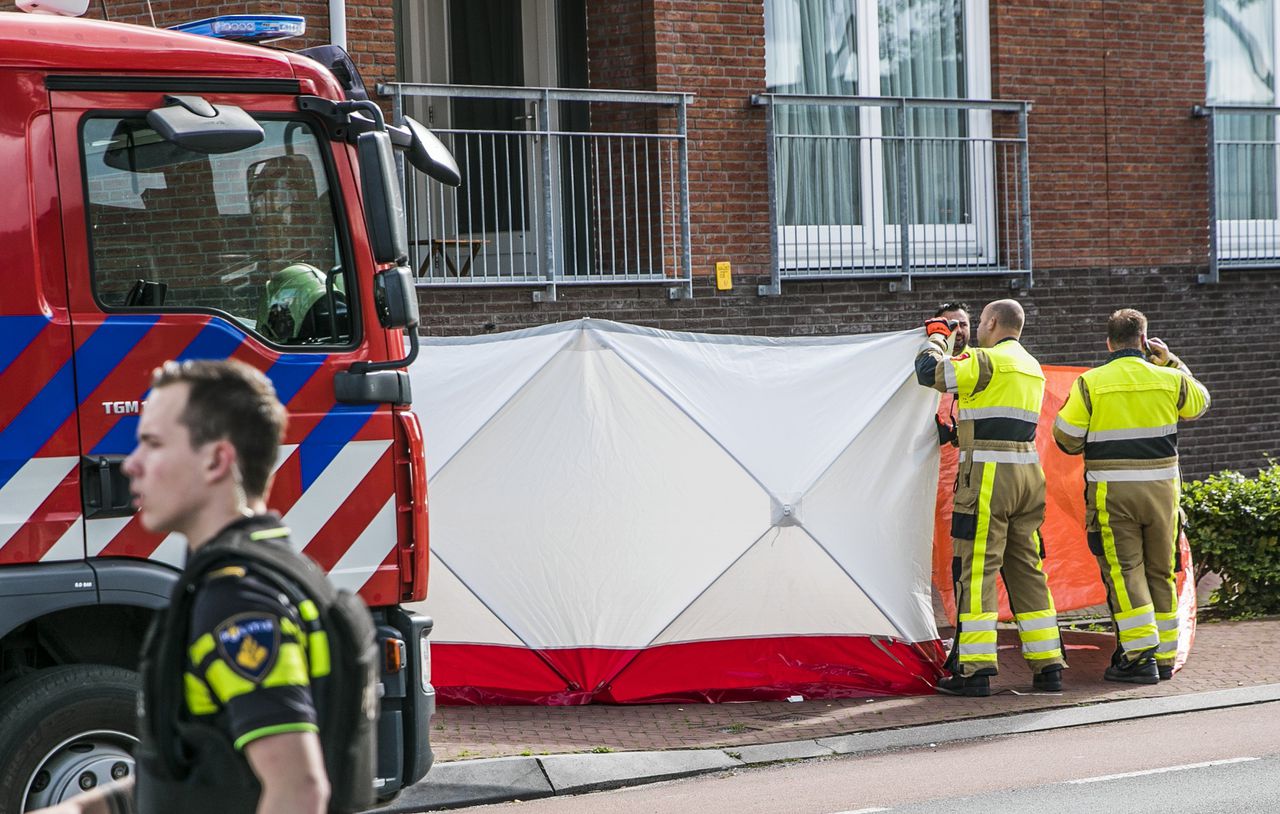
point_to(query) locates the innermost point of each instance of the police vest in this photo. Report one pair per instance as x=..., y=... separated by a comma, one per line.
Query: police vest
x=191, y=766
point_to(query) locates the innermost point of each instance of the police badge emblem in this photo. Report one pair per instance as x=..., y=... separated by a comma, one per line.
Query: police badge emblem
x=248, y=643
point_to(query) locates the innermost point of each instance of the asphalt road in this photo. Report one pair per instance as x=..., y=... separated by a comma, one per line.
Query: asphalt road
x=1240, y=785
x=1225, y=760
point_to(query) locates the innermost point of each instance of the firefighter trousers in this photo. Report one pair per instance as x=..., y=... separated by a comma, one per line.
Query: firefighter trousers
x=995, y=524
x=1133, y=529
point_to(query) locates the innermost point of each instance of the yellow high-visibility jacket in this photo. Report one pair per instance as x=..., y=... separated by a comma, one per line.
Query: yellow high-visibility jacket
x=1124, y=417
x=999, y=391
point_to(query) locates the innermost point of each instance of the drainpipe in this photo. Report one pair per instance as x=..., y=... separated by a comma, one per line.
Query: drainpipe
x=338, y=23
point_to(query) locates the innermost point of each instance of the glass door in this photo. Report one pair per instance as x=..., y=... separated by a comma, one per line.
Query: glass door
x=492, y=227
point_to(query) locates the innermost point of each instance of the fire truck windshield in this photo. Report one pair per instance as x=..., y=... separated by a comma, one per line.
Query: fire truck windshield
x=250, y=235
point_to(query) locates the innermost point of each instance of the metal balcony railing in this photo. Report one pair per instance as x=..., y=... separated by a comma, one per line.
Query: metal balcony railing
x=559, y=187
x=1244, y=193
x=868, y=186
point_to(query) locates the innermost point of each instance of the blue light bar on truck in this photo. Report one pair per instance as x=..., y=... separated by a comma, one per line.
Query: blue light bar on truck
x=246, y=27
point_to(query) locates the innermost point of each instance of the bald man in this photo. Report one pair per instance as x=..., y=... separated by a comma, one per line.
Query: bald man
x=999, y=499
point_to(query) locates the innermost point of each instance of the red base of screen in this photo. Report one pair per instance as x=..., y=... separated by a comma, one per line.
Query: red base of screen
x=765, y=669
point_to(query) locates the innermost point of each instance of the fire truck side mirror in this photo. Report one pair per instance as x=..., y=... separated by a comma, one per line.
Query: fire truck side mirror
x=428, y=155
x=395, y=298
x=387, y=382
x=383, y=204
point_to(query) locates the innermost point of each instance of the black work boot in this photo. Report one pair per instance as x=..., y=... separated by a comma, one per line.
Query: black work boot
x=1048, y=680
x=1166, y=671
x=977, y=685
x=1141, y=669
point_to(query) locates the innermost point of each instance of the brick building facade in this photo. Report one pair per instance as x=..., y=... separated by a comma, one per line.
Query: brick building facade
x=1119, y=192
x=1118, y=174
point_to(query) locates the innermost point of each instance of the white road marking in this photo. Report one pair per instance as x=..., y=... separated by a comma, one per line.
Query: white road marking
x=861, y=811
x=1163, y=770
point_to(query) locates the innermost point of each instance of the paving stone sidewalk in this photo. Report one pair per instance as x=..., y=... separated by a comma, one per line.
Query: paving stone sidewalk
x=1226, y=655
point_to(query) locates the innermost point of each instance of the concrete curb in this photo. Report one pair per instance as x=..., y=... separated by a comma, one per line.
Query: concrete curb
x=1040, y=721
x=570, y=774
x=474, y=782
x=477, y=782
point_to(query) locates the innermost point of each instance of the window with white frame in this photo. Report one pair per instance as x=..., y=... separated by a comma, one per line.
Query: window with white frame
x=1240, y=55
x=847, y=185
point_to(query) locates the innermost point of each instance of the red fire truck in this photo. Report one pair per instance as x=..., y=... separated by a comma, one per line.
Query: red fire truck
x=170, y=196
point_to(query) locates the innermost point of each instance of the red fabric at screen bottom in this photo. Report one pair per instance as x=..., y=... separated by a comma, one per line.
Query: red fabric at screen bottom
x=764, y=669
x=486, y=674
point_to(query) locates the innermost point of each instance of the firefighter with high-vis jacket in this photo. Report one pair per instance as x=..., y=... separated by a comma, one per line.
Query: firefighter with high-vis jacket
x=1123, y=416
x=999, y=499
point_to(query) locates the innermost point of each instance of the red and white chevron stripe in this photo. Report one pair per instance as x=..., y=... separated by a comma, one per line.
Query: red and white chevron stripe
x=345, y=520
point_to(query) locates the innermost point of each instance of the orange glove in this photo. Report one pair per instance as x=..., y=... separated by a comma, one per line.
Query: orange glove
x=939, y=327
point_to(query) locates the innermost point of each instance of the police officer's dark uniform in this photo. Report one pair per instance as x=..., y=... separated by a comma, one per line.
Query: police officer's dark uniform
x=253, y=665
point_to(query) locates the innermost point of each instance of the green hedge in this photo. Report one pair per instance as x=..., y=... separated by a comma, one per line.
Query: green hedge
x=1233, y=526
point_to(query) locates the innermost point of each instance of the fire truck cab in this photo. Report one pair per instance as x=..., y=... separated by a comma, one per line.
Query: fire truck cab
x=172, y=196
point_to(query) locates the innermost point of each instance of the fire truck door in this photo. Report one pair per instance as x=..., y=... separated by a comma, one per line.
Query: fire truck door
x=39, y=478
x=176, y=254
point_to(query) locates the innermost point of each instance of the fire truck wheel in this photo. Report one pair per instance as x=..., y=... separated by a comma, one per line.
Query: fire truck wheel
x=65, y=730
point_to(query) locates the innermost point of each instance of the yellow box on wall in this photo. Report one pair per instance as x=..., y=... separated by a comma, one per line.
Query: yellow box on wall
x=724, y=276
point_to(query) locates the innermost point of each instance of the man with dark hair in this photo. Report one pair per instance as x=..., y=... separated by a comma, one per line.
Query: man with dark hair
x=207, y=443
x=1123, y=417
x=999, y=500
x=957, y=312
x=1126, y=328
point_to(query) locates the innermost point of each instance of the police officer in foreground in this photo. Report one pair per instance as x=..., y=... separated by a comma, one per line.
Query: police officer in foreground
x=1123, y=416
x=999, y=499
x=207, y=443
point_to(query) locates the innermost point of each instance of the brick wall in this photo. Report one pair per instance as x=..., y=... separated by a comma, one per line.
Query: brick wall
x=1118, y=166
x=1214, y=328
x=716, y=51
x=620, y=44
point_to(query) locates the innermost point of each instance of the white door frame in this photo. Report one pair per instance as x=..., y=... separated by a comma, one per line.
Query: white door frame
x=876, y=242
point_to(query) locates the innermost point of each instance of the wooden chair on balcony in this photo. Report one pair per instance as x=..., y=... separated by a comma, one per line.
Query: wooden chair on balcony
x=467, y=248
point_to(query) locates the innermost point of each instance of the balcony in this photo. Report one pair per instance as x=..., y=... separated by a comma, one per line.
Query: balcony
x=1243, y=187
x=897, y=188
x=559, y=188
